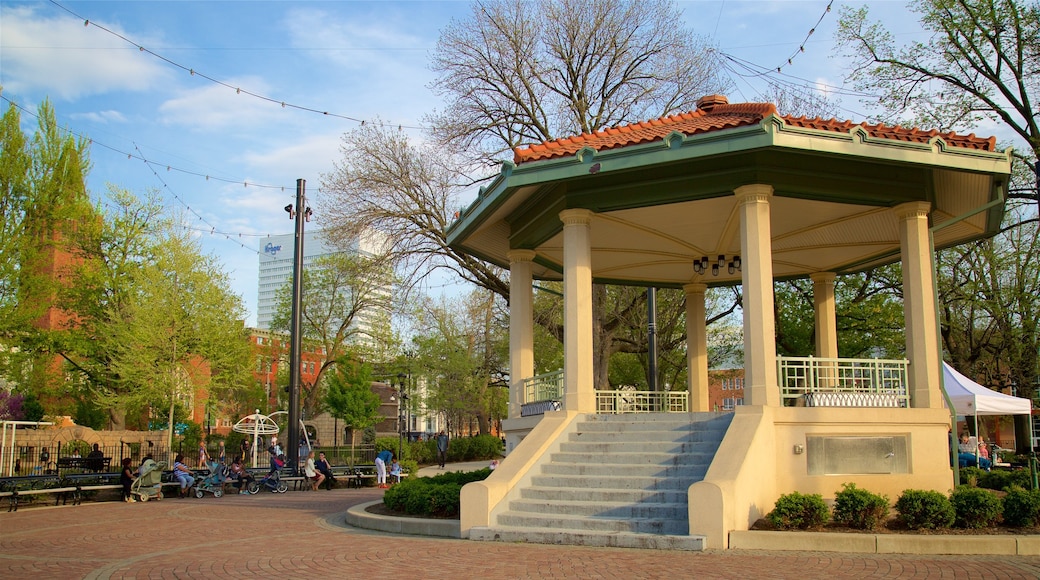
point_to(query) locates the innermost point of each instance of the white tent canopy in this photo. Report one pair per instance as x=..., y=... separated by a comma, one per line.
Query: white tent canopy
x=971, y=398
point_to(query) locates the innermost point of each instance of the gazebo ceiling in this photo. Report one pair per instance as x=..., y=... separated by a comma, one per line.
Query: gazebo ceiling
x=662, y=194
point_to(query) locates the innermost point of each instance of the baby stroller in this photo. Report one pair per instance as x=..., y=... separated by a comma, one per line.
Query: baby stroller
x=149, y=481
x=212, y=483
x=273, y=479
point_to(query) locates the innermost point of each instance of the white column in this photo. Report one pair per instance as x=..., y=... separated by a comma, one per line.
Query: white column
x=521, y=327
x=922, y=339
x=696, y=347
x=577, y=307
x=756, y=248
x=826, y=314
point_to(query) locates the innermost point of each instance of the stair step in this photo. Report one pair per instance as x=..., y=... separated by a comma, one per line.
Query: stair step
x=647, y=510
x=694, y=471
x=599, y=524
x=547, y=494
x=646, y=447
x=616, y=481
x=587, y=538
x=580, y=436
x=641, y=458
x=648, y=483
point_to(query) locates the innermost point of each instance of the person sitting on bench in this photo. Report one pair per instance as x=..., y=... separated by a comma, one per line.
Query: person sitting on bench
x=968, y=456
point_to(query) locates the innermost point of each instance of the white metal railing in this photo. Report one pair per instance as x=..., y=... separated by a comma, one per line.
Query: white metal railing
x=545, y=392
x=626, y=401
x=545, y=387
x=811, y=376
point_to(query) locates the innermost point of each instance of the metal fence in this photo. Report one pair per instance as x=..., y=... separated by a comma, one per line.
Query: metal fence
x=867, y=379
x=625, y=401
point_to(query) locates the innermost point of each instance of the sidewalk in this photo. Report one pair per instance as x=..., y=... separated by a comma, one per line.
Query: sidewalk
x=304, y=535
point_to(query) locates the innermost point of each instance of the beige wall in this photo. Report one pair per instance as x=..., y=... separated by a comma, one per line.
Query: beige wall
x=756, y=462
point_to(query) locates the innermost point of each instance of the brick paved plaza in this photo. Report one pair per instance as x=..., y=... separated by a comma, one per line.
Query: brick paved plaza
x=301, y=535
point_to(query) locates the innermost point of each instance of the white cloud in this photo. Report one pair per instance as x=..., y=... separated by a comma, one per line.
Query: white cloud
x=357, y=41
x=215, y=106
x=62, y=57
x=102, y=117
x=306, y=158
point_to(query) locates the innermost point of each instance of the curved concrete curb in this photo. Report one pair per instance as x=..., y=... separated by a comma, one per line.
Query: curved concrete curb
x=359, y=518
x=886, y=543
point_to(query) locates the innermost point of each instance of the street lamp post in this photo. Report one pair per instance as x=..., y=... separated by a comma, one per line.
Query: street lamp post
x=402, y=417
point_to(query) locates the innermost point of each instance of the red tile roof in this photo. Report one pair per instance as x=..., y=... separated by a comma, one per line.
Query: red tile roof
x=714, y=113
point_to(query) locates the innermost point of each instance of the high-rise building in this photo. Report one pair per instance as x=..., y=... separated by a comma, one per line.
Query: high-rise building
x=276, y=268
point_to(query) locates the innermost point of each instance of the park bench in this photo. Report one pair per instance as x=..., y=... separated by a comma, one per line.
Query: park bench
x=90, y=482
x=28, y=487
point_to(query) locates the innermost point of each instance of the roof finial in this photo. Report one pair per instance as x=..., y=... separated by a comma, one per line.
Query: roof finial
x=709, y=102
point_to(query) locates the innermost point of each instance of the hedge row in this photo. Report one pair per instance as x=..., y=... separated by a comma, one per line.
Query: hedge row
x=967, y=507
x=431, y=496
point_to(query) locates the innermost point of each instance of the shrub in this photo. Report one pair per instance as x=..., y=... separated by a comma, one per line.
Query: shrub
x=473, y=448
x=859, y=508
x=971, y=475
x=925, y=509
x=431, y=496
x=975, y=507
x=1021, y=507
x=1001, y=480
x=795, y=511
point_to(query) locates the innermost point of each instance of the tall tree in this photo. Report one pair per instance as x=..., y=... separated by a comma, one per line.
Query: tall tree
x=180, y=330
x=350, y=398
x=346, y=301
x=462, y=345
x=42, y=181
x=516, y=72
x=981, y=62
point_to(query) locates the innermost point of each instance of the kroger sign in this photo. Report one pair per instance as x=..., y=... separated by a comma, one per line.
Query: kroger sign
x=272, y=249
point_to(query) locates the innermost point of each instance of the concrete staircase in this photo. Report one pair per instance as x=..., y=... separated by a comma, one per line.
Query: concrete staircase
x=618, y=480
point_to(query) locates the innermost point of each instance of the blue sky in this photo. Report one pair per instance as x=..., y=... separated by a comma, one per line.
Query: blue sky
x=357, y=59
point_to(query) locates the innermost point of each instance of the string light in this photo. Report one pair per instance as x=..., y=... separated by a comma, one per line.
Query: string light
x=238, y=90
x=801, y=47
x=131, y=156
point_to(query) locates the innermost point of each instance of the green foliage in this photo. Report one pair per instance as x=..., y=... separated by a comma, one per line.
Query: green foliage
x=925, y=509
x=971, y=475
x=191, y=437
x=336, y=289
x=349, y=395
x=32, y=410
x=431, y=496
x=869, y=315
x=473, y=448
x=423, y=452
x=796, y=511
x=1001, y=479
x=89, y=414
x=859, y=508
x=975, y=507
x=1022, y=507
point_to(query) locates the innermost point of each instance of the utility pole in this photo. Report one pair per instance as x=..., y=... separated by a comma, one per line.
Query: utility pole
x=301, y=214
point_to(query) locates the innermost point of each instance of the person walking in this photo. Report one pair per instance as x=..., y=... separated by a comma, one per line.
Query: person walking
x=385, y=456
x=442, y=448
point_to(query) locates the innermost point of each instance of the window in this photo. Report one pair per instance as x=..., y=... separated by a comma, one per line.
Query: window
x=727, y=404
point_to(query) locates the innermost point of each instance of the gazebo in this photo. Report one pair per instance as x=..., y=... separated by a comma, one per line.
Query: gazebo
x=740, y=194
